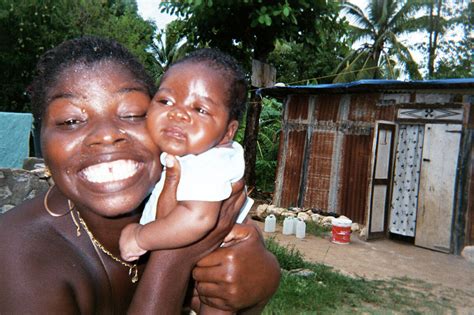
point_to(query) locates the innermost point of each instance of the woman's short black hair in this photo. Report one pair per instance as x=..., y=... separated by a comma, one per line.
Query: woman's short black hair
x=237, y=91
x=86, y=50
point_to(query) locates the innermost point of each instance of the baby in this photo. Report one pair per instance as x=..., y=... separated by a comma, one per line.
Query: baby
x=194, y=116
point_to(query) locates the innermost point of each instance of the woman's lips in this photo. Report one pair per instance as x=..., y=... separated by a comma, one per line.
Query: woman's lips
x=110, y=171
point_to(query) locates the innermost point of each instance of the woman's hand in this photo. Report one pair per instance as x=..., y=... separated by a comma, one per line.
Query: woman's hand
x=241, y=275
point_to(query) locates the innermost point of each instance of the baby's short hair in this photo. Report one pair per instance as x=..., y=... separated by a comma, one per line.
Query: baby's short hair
x=237, y=94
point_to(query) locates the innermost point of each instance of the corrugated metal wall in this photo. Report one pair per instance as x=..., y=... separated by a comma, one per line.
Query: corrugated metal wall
x=354, y=179
x=293, y=166
x=318, y=179
x=324, y=161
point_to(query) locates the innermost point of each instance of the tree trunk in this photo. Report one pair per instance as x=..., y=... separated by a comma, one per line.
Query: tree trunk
x=263, y=47
x=433, y=36
x=250, y=139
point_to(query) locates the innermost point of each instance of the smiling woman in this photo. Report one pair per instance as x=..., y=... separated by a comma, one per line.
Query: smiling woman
x=93, y=126
x=62, y=253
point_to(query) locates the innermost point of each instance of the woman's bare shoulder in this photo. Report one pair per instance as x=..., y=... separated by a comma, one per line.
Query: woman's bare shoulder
x=24, y=213
x=37, y=257
x=21, y=219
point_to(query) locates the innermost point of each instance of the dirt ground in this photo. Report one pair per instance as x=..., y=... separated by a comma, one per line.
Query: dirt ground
x=445, y=275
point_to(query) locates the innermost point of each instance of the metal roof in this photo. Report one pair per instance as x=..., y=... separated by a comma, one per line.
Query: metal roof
x=364, y=86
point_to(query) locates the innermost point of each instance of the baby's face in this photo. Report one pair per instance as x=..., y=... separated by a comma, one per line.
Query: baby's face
x=189, y=113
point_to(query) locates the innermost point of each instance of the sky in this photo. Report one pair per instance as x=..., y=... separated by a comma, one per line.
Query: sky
x=149, y=10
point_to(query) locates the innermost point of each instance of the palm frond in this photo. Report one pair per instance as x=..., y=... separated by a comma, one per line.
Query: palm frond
x=356, y=16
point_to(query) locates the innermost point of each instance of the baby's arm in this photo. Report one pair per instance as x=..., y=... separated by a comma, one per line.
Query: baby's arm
x=187, y=223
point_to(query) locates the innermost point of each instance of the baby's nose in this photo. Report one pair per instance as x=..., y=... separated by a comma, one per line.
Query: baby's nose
x=179, y=114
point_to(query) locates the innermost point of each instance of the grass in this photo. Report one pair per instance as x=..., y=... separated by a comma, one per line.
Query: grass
x=317, y=229
x=325, y=291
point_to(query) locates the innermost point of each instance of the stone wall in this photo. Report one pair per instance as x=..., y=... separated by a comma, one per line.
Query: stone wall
x=18, y=185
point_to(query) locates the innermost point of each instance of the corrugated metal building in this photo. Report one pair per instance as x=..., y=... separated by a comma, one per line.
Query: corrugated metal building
x=395, y=156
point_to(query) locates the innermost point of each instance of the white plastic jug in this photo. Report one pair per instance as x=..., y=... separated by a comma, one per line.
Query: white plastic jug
x=300, y=228
x=288, y=224
x=295, y=220
x=270, y=224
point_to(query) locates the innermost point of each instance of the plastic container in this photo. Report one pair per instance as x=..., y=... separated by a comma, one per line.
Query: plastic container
x=288, y=224
x=295, y=220
x=270, y=224
x=300, y=228
x=341, y=231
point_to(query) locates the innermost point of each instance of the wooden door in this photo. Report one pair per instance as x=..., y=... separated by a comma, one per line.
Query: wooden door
x=381, y=179
x=437, y=185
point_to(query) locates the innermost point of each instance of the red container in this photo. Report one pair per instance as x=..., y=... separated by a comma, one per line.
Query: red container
x=341, y=231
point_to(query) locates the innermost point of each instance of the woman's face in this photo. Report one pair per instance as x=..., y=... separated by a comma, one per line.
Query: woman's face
x=94, y=138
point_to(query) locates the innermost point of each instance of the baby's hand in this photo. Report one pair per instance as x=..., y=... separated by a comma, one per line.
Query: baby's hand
x=129, y=249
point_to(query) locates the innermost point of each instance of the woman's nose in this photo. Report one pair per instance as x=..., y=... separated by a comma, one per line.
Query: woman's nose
x=106, y=133
x=179, y=114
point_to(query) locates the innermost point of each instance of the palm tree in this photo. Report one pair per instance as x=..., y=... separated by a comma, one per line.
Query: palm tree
x=167, y=47
x=442, y=16
x=380, y=26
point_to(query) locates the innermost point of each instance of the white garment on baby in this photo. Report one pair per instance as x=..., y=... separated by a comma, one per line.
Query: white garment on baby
x=204, y=177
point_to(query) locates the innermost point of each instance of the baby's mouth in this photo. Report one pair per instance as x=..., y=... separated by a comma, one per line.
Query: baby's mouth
x=176, y=133
x=110, y=171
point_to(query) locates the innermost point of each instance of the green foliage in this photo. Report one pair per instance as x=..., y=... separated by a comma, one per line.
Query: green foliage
x=250, y=28
x=268, y=144
x=298, y=63
x=29, y=28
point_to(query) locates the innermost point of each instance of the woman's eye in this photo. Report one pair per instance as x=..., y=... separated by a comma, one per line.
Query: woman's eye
x=71, y=122
x=133, y=117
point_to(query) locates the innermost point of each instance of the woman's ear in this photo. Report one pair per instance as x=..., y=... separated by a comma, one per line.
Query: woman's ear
x=231, y=130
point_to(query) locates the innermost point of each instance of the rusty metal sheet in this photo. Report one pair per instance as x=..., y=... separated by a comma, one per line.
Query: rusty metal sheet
x=327, y=107
x=318, y=179
x=297, y=107
x=293, y=166
x=385, y=113
x=470, y=203
x=354, y=176
x=363, y=107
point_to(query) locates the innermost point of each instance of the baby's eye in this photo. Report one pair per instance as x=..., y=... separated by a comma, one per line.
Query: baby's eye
x=201, y=110
x=165, y=102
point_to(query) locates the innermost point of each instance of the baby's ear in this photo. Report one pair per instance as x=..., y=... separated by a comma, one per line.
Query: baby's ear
x=231, y=130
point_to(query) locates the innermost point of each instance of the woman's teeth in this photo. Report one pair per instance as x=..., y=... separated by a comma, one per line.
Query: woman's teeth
x=111, y=171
